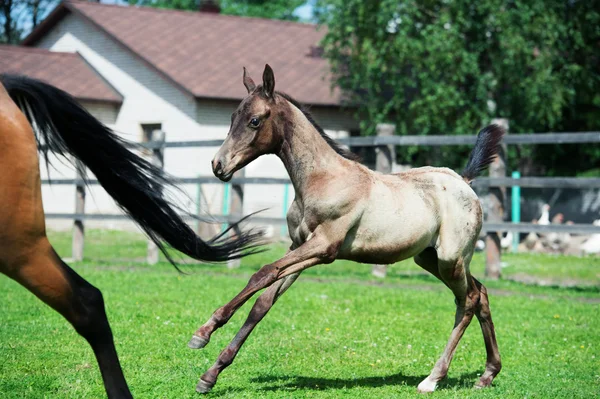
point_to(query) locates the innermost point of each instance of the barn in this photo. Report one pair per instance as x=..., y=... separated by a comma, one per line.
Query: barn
x=141, y=69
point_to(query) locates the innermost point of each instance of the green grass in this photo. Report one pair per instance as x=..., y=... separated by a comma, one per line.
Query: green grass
x=108, y=247
x=336, y=333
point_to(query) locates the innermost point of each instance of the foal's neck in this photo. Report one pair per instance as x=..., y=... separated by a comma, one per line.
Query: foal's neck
x=304, y=152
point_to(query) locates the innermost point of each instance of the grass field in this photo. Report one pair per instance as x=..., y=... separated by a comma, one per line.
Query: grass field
x=337, y=333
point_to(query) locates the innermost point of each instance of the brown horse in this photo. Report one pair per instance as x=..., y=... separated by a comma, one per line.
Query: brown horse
x=63, y=126
x=343, y=210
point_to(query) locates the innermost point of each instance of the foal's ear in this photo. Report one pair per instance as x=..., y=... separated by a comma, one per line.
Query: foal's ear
x=248, y=82
x=268, y=86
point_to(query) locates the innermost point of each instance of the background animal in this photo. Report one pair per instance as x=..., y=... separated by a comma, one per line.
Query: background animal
x=64, y=127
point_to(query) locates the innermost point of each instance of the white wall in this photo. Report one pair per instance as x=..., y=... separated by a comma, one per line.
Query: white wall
x=148, y=98
x=151, y=98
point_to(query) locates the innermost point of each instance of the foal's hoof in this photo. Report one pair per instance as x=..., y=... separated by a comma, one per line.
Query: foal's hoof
x=427, y=386
x=483, y=383
x=197, y=343
x=204, y=387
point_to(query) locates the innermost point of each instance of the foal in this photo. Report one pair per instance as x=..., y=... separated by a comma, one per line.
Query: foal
x=343, y=210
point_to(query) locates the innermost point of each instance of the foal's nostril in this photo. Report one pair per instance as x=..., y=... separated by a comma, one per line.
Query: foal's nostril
x=218, y=168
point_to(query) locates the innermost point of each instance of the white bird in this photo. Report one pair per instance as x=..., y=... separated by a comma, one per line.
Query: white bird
x=480, y=245
x=531, y=240
x=592, y=244
x=545, y=218
x=506, y=242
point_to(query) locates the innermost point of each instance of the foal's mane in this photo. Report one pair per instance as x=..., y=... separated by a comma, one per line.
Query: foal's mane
x=337, y=147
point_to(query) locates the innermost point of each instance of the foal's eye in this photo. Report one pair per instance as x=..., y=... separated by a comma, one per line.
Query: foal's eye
x=254, y=122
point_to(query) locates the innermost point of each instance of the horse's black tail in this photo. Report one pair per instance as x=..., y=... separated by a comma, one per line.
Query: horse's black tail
x=65, y=127
x=486, y=147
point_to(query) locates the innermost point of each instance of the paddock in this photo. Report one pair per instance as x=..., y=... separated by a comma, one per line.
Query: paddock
x=377, y=78
x=338, y=332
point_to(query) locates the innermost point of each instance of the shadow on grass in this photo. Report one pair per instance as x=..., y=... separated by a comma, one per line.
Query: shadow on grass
x=292, y=383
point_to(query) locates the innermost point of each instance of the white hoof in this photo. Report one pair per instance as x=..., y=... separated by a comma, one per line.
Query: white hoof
x=427, y=386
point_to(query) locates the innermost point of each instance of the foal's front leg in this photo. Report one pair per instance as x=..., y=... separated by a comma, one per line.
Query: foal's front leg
x=320, y=248
x=261, y=307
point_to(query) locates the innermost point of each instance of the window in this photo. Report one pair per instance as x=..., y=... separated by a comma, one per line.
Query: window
x=149, y=130
x=152, y=132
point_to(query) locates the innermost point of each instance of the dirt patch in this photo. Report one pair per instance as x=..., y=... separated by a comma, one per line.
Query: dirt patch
x=548, y=282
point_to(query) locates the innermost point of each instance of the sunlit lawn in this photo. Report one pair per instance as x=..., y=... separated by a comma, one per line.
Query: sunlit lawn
x=337, y=333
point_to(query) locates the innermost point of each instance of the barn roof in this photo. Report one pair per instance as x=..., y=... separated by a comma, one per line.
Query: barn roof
x=203, y=53
x=67, y=71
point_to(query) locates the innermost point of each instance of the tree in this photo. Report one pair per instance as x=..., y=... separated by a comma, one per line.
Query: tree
x=20, y=16
x=272, y=9
x=449, y=66
x=10, y=32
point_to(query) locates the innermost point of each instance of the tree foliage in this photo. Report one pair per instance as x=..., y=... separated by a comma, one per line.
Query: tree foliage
x=272, y=9
x=449, y=66
x=19, y=16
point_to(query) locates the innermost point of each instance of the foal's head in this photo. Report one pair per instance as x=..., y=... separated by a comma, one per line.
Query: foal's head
x=256, y=127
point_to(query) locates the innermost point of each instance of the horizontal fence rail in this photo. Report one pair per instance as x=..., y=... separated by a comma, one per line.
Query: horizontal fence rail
x=429, y=140
x=514, y=227
x=544, y=229
x=526, y=182
x=539, y=182
x=386, y=143
x=437, y=140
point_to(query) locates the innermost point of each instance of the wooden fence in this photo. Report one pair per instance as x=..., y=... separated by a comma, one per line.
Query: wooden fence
x=384, y=144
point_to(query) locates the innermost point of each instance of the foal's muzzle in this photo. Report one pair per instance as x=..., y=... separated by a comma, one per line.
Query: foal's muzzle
x=219, y=171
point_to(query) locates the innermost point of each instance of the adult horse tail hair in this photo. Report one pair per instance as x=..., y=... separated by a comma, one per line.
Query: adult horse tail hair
x=486, y=147
x=64, y=127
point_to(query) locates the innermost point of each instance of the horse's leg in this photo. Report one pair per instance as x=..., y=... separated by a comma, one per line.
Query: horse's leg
x=55, y=283
x=454, y=274
x=318, y=249
x=484, y=315
x=262, y=305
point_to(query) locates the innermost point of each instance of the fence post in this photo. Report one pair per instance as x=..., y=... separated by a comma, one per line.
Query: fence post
x=496, y=211
x=199, y=197
x=515, y=194
x=157, y=159
x=78, y=228
x=236, y=210
x=385, y=158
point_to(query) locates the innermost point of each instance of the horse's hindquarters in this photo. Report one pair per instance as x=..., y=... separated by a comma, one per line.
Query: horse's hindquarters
x=22, y=221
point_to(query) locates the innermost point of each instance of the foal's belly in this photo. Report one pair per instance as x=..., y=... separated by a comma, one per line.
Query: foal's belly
x=366, y=246
x=394, y=226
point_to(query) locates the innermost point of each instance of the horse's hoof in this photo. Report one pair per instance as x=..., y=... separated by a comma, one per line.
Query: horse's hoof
x=427, y=386
x=483, y=383
x=203, y=387
x=197, y=343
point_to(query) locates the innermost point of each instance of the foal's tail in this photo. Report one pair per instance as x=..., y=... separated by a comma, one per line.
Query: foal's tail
x=65, y=127
x=487, y=146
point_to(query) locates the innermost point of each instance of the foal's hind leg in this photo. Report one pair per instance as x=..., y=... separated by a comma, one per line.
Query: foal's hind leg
x=51, y=280
x=454, y=274
x=484, y=315
x=262, y=305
